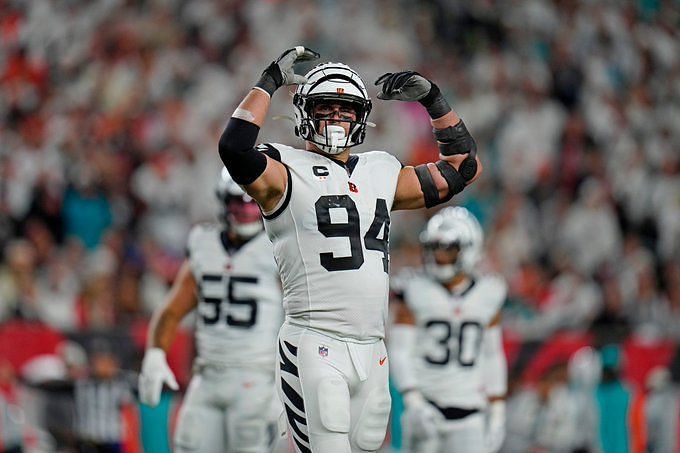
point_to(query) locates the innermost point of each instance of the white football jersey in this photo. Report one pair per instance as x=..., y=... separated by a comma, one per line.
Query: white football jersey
x=450, y=329
x=239, y=300
x=330, y=235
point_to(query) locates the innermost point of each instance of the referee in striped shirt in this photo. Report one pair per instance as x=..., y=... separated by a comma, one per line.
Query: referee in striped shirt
x=99, y=400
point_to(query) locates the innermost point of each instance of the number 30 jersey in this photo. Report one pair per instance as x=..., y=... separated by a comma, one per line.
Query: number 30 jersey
x=330, y=234
x=450, y=330
x=239, y=299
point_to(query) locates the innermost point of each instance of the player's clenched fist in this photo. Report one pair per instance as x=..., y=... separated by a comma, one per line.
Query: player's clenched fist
x=406, y=86
x=155, y=373
x=410, y=86
x=280, y=71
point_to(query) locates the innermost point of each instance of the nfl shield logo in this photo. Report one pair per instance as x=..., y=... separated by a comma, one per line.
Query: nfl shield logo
x=323, y=351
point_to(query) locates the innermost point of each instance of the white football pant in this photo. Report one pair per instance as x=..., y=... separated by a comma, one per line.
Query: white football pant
x=226, y=410
x=335, y=393
x=453, y=436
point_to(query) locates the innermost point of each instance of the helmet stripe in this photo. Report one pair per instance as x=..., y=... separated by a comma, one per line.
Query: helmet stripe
x=336, y=76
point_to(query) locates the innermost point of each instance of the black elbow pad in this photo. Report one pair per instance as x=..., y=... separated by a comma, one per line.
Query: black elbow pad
x=237, y=150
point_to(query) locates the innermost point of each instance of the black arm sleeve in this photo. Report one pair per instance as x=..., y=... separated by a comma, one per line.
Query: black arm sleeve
x=237, y=150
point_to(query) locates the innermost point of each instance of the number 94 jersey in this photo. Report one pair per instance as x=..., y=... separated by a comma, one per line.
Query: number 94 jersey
x=450, y=329
x=239, y=299
x=330, y=235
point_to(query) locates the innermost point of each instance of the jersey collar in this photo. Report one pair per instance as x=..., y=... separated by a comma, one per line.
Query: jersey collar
x=232, y=247
x=464, y=291
x=349, y=166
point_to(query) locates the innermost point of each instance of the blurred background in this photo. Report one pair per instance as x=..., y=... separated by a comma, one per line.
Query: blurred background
x=110, y=112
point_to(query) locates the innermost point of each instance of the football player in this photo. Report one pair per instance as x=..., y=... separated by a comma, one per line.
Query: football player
x=446, y=349
x=327, y=213
x=231, y=278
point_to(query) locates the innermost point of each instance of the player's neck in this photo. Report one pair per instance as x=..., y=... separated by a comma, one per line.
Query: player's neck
x=231, y=241
x=458, y=282
x=343, y=156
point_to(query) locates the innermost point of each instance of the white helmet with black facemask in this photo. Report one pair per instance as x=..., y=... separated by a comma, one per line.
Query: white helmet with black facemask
x=452, y=228
x=238, y=212
x=331, y=83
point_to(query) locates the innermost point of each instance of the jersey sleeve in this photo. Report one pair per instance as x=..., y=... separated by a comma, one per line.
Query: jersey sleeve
x=270, y=150
x=193, y=248
x=387, y=169
x=283, y=154
x=495, y=293
x=192, y=241
x=416, y=290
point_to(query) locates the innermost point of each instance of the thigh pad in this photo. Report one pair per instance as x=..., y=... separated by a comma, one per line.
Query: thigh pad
x=333, y=396
x=372, y=424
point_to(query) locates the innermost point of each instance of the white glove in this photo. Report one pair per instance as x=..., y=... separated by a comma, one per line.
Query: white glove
x=495, y=427
x=422, y=417
x=155, y=373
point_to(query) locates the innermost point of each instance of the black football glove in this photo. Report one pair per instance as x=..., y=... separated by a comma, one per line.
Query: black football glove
x=406, y=86
x=410, y=86
x=280, y=72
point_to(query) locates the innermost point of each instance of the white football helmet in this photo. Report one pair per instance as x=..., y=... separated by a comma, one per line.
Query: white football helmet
x=238, y=211
x=331, y=82
x=452, y=227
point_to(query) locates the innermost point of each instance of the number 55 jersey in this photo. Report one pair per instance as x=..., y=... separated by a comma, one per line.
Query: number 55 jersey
x=330, y=235
x=239, y=309
x=449, y=340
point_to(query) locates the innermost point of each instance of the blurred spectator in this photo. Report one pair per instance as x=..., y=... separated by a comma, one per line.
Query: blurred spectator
x=86, y=210
x=97, y=304
x=615, y=399
x=571, y=302
x=60, y=409
x=662, y=411
x=18, y=289
x=162, y=184
x=544, y=418
x=590, y=234
x=12, y=419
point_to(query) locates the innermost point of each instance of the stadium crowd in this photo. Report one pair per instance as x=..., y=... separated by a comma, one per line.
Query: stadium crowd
x=110, y=112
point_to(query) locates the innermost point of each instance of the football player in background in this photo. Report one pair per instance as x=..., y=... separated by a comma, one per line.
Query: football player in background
x=327, y=213
x=445, y=344
x=231, y=278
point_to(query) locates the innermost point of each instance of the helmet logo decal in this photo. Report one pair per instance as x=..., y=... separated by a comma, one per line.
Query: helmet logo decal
x=340, y=90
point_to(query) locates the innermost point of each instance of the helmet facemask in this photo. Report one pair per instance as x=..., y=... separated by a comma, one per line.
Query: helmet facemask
x=329, y=84
x=242, y=216
x=449, y=264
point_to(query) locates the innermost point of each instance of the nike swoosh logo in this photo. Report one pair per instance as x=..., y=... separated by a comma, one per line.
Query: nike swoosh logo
x=382, y=361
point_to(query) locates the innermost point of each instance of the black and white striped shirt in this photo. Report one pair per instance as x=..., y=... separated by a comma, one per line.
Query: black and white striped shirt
x=98, y=408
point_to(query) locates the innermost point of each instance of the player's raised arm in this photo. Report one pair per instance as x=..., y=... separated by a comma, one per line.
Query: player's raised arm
x=262, y=177
x=436, y=182
x=164, y=322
